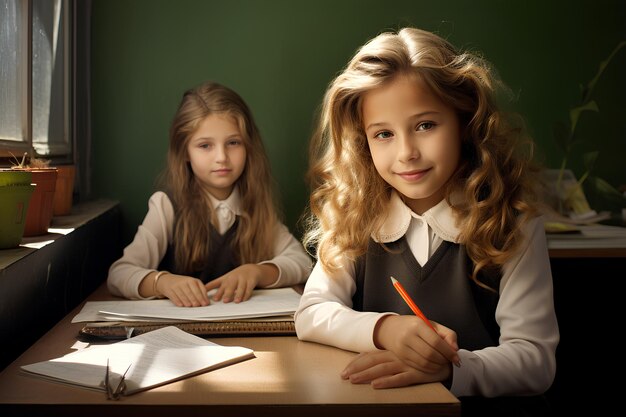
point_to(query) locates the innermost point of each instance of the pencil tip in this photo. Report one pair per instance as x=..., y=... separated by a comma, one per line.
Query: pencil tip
x=393, y=279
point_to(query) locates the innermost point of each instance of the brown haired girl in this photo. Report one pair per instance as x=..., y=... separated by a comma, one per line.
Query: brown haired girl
x=216, y=225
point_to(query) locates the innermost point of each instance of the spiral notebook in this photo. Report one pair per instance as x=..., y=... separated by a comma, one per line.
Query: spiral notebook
x=268, y=312
x=274, y=326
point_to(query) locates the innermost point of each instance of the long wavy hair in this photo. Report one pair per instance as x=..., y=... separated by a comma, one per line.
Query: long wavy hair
x=193, y=210
x=494, y=181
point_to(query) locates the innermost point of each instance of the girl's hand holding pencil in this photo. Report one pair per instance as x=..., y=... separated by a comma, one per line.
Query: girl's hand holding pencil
x=416, y=350
x=407, y=299
x=413, y=353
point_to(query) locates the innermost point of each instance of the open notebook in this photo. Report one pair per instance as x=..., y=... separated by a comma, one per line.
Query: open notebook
x=152, y=359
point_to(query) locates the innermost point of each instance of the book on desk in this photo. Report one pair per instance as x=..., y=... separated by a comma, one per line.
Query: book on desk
x=267, y=312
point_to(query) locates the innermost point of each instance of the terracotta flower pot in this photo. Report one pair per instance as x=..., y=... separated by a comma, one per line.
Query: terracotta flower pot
x=41, y=205
x=64, y=190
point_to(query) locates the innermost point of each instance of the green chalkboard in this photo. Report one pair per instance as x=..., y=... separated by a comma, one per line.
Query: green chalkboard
x=281, y=54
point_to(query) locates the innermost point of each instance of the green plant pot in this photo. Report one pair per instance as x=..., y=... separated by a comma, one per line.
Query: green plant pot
x=14, y=177
x=14, y=200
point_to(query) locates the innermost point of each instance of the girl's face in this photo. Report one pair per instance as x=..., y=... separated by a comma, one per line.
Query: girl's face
x=414, y=139
x=217, y=154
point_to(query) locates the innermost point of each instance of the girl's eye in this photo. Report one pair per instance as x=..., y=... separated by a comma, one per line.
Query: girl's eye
x=234, y=142
x=383, y=135
x=204, y=146
x=425, y=126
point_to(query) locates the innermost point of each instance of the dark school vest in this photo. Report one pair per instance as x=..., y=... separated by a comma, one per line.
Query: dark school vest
x=442, y=289
x=221, y=259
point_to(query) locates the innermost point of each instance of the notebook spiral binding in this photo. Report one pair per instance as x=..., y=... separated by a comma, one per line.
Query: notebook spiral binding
x=92, y=332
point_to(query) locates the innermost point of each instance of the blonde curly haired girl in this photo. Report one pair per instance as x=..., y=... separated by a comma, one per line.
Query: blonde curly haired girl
x=417, y=173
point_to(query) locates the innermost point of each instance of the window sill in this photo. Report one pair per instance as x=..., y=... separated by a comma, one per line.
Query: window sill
x=80, y=215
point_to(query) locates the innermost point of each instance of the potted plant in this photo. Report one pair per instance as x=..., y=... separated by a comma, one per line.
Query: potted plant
x=569, y=191
x=40, y=209
x=15, y=193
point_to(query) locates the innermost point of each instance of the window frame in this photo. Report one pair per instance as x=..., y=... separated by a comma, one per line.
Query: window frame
x=61, y=153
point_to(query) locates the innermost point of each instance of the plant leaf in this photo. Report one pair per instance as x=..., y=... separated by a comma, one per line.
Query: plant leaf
x=606, y=190
x=589, y=89
x=574, y=114
x=589, y=158
x=606, y=187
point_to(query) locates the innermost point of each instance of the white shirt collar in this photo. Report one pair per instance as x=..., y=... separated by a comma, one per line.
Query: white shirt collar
x=232, y=202
x=440, y=218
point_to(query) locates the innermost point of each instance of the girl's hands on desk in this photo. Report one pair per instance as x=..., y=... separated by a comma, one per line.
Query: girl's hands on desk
x=182, y=290
x=186, y=291
x=237, y=285
x=414, y=354
x=383, y=369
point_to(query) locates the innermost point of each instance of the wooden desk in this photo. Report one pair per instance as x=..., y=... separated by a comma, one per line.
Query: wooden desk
x=288, y=377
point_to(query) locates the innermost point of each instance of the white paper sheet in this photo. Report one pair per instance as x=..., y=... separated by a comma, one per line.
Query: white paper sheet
x=263, y=303
x=155, y=358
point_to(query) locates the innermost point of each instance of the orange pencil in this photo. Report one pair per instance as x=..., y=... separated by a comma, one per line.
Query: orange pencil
x=407, y=299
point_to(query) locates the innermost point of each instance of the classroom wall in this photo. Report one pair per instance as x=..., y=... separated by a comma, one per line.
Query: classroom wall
x=281, y=54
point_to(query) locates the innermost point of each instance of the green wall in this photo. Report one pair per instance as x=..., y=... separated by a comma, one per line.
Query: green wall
x=281, y=54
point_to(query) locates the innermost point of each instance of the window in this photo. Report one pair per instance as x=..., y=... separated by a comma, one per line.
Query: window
x=35, y=87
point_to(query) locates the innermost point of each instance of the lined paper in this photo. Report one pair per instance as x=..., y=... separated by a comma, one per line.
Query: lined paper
x=155, y=358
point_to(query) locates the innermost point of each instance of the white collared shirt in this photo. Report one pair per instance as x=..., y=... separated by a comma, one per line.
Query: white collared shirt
x=227, y=210
x=421, y=238
x=524, y=361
